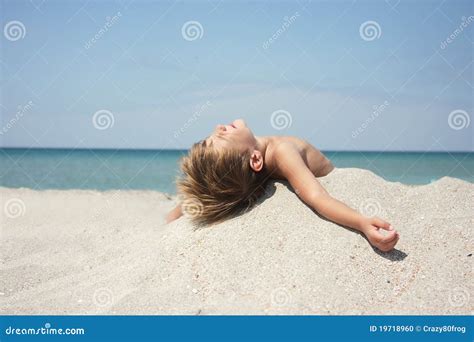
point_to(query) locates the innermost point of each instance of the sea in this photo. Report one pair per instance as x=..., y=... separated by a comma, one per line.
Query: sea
x=103, y=169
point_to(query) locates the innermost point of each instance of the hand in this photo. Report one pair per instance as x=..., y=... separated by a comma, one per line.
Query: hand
x=371, y=228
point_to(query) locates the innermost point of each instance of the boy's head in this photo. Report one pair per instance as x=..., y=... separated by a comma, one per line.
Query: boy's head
x=222, y=175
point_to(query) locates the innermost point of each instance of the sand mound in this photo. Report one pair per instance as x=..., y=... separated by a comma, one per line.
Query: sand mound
x=87, y=252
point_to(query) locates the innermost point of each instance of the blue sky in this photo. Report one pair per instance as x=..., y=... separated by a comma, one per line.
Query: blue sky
x=406, y=88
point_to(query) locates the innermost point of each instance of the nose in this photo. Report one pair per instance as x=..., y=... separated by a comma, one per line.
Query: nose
x=220, y=128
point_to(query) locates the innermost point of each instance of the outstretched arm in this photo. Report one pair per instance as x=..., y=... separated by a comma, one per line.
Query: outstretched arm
x=174, y=214
x=292, y=166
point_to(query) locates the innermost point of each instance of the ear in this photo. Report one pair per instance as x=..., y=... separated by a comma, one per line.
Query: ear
x=256, y=161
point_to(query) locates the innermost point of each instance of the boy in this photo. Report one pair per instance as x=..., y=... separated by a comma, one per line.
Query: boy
x=225, y=173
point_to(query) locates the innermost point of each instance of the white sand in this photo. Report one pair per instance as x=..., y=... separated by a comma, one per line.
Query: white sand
x=88, y=252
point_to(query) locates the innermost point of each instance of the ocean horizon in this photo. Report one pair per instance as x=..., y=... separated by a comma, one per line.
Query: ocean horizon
x=148, y=169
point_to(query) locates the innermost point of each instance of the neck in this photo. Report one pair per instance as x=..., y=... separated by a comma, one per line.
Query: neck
x=262, y=144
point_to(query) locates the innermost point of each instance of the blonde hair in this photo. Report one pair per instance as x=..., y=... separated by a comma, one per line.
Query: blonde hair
x=216, y=185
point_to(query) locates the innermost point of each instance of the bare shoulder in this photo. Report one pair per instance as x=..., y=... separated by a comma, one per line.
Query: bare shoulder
x=279, y=151
x=285, y=148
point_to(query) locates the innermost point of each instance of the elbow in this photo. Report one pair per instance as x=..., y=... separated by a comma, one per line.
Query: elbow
x=327, y=168
x=317, y=200
x=173, y=215
x=169, y=218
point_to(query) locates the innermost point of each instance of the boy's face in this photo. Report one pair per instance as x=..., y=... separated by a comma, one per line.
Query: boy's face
x=235, y=135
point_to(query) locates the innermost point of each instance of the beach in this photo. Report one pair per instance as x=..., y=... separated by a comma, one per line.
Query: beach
x=110, y=252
